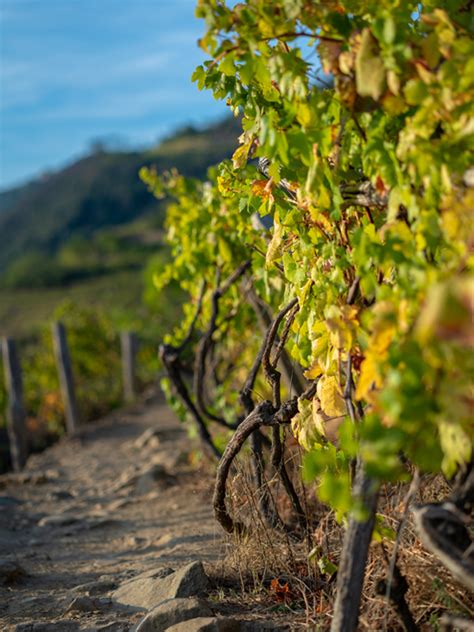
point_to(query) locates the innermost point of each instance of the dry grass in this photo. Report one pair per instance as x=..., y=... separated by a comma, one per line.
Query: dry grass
x=270, y=574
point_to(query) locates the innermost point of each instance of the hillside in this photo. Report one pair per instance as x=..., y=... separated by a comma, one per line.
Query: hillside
x=98, y=191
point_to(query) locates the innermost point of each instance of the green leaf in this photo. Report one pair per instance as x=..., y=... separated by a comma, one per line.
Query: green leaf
x=227, y=65
x=415, y=91
x=326, y=567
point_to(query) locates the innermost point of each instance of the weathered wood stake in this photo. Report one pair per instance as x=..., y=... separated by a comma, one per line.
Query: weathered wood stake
x=355, y=550
x=63, y=363
x=16, y=415
x=129, y=345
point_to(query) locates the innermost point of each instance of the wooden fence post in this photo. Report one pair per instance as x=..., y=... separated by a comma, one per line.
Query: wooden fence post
x=129, y=346
x=16, y=415
x=63, y=362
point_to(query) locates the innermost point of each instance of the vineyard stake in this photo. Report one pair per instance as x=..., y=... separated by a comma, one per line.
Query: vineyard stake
x=129, y=346
x=63, y=362
x=16, y=415
x=355, y=550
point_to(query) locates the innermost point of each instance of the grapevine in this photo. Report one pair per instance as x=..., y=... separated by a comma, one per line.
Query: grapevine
x=342, y=228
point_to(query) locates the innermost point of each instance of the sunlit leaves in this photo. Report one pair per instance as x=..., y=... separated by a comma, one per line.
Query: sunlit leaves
x=373, y=166
x=330, y=396
x=370, y=69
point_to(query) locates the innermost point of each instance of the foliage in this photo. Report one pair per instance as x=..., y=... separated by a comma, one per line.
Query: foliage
x=369, y=190
x=95, y=354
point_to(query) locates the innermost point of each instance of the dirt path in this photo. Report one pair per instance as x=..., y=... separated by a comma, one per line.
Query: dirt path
x=89, y=513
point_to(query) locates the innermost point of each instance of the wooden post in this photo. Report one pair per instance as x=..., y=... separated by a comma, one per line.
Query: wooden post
x=16, y=415
x=129, y=345
x=355, y=550
x=63, y=363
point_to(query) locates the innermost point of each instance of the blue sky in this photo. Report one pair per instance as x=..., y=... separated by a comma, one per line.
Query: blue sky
x=76, y=70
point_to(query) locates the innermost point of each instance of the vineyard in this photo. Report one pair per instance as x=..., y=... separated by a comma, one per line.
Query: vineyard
x=329, y=275
x=323, y=357
x=94, y=342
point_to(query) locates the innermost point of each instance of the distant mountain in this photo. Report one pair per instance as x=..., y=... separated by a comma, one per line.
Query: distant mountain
x=100, y=190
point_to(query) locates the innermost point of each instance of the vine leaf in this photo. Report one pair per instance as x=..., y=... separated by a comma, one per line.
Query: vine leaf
x=240, y=155
x=330, y=396
x=314, y=371
x=369, y=377
x=457, y=447
x=303, y=425
x=370, y=69
x=274, y=247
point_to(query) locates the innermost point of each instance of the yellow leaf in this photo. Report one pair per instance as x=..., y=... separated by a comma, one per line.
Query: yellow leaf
x=341, y=336
x=305, y=292
x=393, y=82
x=240, y=155
x=225, y=250
x=350, y=312
x=330, y=396
x=382, y=338
x=319, y=418
x=274, y=247
x=263, y=189
x=318, y=216
x=303, y=426
x=425, y=75
x=370, y=70
x=305, y=115
x=369, y=377
x=346, y=62
x=313, y=372
x=448, y=312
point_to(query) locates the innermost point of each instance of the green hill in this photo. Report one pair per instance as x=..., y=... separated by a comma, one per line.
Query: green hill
x=48, y=223
x=91, y=233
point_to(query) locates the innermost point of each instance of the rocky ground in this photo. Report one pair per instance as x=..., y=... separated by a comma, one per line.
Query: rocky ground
x=110, y=531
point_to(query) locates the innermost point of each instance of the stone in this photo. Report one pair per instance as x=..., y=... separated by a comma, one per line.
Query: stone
x=143, y=591
x=174, y=611
x=143, y=480
x=149, y=438
x=118, y=504
x=88, y=604
x=96, y=522
x=150, y=589
x=10, y=572
x=171, y=460
x=135, y=542
x=206, y=624
x=95, y=588
x=189, y=581
x=58, y=520
x=148, y=478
